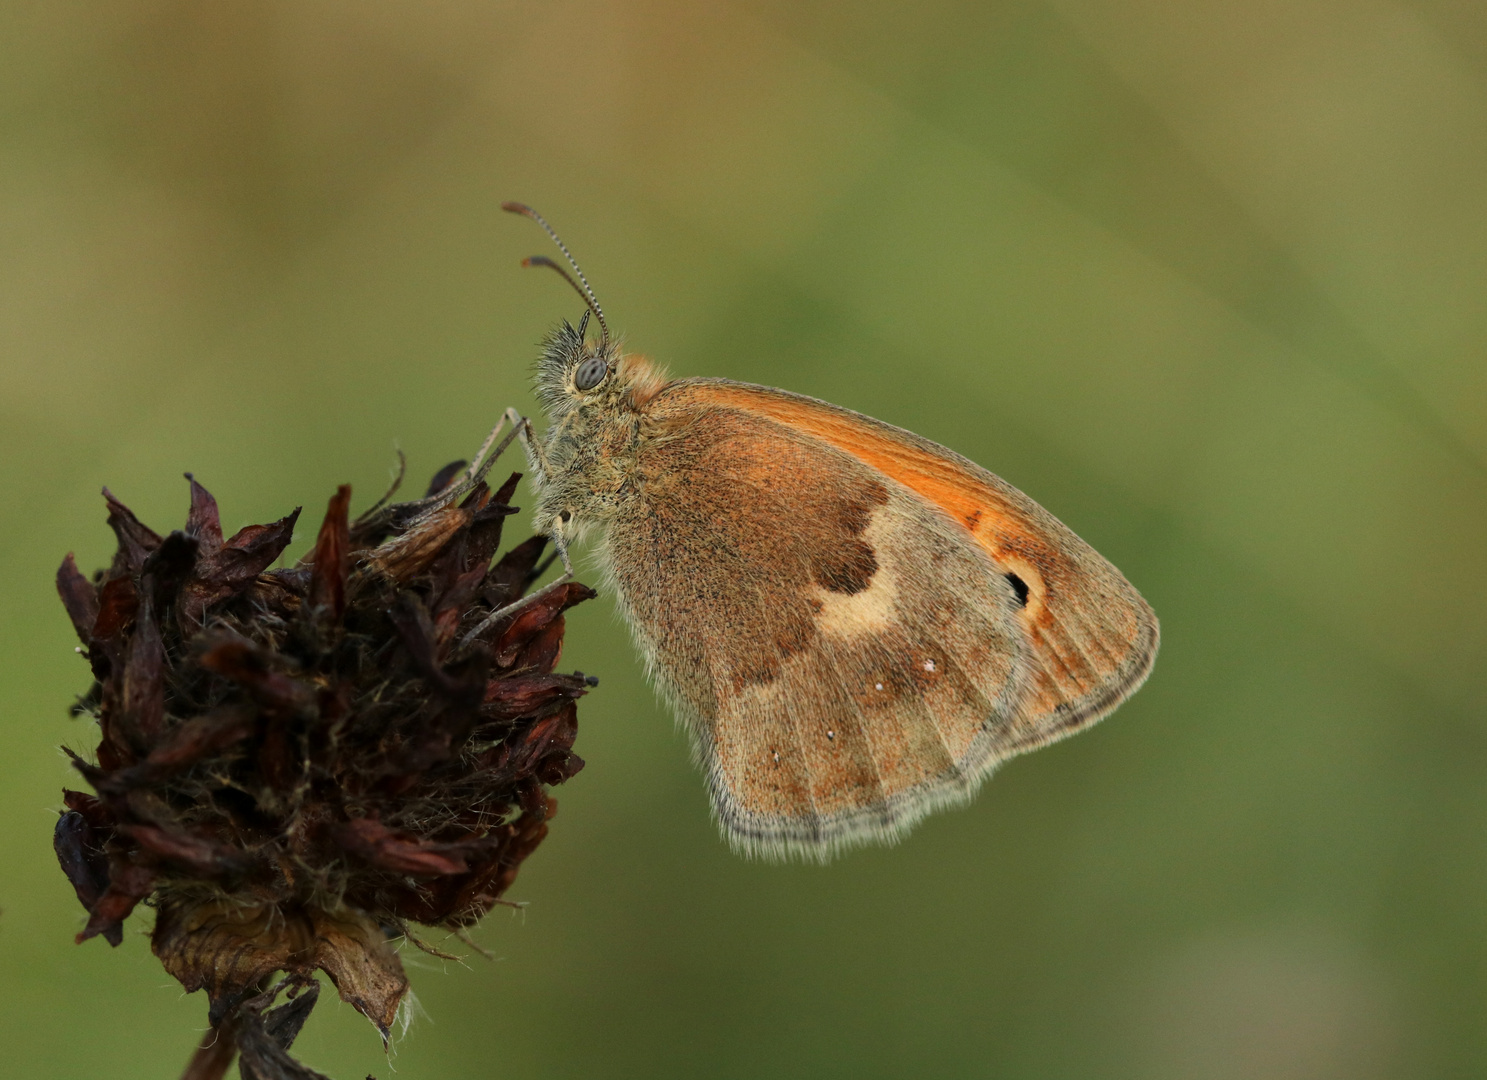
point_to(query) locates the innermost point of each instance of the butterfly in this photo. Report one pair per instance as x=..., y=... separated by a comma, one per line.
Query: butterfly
x=853, y=624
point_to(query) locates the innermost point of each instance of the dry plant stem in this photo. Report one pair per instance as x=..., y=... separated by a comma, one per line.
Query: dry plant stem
x=214, y=1055
x=259, y=1036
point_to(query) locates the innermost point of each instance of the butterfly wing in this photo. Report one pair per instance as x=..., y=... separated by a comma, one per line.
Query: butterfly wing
x=855, y=624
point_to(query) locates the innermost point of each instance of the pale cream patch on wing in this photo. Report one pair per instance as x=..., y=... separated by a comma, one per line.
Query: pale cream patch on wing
x=871, y=611
x=849, y=615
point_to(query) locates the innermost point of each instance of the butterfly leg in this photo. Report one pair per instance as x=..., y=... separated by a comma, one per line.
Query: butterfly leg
x=485, y=457
x=536, y=456
x=526, y=601
x=480, y=464
x=537, y=459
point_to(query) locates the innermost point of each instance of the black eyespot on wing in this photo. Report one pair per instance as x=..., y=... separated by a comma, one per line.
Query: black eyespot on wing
x=1020, y=588
x=590, y=374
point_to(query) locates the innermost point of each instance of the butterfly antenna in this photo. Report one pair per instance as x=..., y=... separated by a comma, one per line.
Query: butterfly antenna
x=537, y=260
x=543, y=260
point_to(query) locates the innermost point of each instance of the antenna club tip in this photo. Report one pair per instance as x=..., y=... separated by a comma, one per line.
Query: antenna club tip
x=581, y=286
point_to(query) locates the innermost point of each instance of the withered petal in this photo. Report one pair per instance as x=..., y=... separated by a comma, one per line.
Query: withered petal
x=250, y=552
x=259, y=540
x=409, y=553
x=484, y=536
x=444, y=477
x=136, y=540
x=252, y=668
x=197, y=853
x=186, y=743
x=144, y=680
x=330, y=562
x=541, y=653
x=226, y=949
x=169, y=566
x=204, y=521
x=118, y=603
x=353, y=951
x=476, y=499
x=531, y=620
x=97, y=814
x=128, y=884
x=93, y=774
x=559, y=767
x=398, y=851
x=554, y=733
x=509, y=578
x=79, y=597
x=79, y=850
x=529, y=695
x=503, y=494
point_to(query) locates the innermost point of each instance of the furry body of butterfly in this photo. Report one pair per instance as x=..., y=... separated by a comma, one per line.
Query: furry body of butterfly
x=853, y=624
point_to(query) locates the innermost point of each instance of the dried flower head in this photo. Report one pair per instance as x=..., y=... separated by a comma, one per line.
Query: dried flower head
x=296, y=764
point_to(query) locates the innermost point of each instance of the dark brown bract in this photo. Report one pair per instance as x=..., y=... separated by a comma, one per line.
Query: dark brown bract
x=296, y=764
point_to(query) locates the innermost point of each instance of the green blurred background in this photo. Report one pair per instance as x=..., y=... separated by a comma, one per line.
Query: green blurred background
x=1205, y=279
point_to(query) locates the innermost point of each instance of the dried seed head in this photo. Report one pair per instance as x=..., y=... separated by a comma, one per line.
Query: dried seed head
x=296, y=763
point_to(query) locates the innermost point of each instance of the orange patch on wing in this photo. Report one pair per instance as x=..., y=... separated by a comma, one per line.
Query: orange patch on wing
x=1001, y=527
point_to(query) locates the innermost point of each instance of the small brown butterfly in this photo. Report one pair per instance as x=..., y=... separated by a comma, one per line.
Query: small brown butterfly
x=854, y=624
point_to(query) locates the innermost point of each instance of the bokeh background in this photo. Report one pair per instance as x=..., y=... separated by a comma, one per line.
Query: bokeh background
x=1206, y=279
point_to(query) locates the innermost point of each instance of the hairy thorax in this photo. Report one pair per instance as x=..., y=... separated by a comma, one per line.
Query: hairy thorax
x=590, y=466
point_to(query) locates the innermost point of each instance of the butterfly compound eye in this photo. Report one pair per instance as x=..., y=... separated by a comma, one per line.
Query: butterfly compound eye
x=590, y=373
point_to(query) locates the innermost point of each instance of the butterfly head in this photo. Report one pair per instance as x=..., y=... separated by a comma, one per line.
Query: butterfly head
x=594, y=394
x=575, y=374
